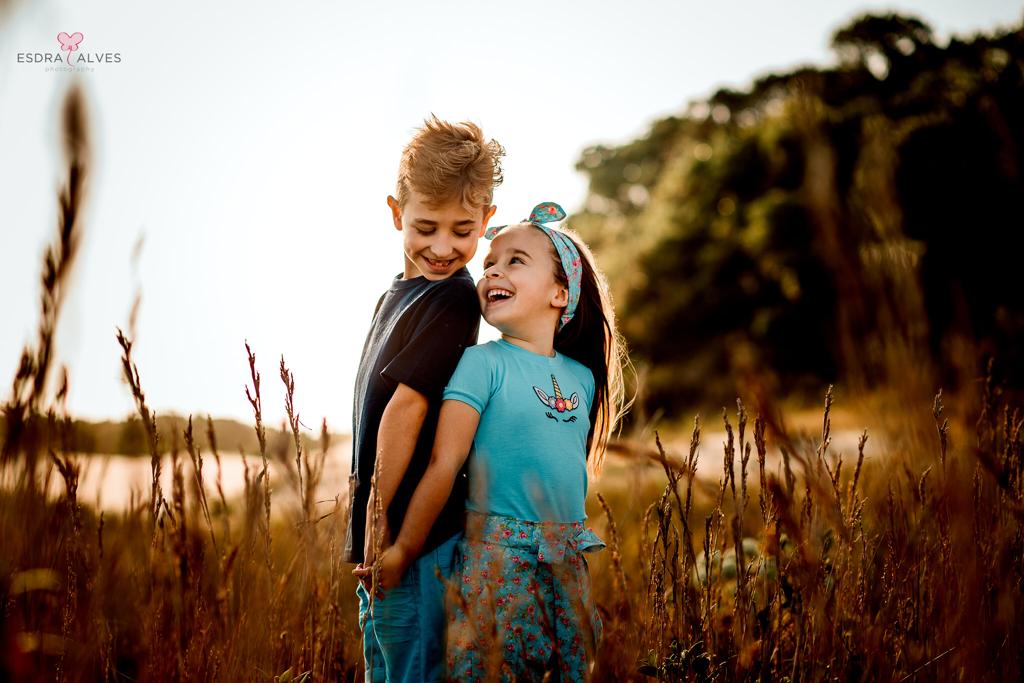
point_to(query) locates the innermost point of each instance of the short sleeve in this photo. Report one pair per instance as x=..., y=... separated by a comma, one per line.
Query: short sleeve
x=448, y=322
x=472, y=382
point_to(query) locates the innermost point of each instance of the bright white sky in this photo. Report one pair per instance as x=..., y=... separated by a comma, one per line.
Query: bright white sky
x=254, y=144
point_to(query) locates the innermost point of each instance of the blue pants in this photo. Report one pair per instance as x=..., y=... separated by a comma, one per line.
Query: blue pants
x=404, y=634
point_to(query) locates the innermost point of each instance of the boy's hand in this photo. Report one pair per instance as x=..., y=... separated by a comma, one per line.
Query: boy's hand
x=383, y=532
x=364, y=572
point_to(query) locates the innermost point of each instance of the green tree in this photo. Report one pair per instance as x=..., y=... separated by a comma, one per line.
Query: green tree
x=823, y=218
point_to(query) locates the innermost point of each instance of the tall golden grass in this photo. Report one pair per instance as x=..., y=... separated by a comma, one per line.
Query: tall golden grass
x=178, y=587
x=906, y=565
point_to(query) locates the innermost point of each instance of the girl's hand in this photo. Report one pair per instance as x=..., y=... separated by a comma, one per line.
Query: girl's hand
x=393, y=563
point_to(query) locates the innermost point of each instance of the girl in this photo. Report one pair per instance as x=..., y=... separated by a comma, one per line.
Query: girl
x=532, y=408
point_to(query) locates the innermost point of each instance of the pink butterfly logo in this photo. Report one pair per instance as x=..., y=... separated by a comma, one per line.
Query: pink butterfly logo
x=69, y=43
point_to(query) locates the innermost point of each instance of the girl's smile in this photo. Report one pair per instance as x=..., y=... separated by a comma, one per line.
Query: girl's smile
x=496, y=295
x=518, y=291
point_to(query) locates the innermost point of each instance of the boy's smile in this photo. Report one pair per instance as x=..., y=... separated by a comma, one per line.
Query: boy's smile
x=438, y=239
x=441, y=266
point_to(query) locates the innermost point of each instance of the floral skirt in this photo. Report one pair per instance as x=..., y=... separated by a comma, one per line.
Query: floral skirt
x=521, y=605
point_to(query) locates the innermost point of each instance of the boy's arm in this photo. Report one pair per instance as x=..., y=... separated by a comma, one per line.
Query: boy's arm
x=396, y=440
x=455, y=429
x=445, y=320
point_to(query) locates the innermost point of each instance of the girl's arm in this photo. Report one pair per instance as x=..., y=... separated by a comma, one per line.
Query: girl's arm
x=456, y=426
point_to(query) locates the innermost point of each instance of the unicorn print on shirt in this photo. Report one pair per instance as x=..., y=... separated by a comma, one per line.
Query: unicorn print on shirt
x=558, y=402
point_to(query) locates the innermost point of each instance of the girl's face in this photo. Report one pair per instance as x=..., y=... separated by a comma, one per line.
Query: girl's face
x=518, y=292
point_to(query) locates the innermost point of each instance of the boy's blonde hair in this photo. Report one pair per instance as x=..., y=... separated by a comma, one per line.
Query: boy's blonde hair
x=450, y=162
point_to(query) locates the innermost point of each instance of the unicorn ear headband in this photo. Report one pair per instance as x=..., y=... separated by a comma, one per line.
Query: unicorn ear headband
x=548, y=212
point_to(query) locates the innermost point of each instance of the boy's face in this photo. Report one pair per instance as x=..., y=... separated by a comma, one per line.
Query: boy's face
x=438, y=240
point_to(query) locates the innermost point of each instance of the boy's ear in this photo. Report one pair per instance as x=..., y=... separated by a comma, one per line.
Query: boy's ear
x=396, y=212
x=488, y=212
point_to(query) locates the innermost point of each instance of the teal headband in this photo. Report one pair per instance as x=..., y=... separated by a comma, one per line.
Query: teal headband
x=548, y=212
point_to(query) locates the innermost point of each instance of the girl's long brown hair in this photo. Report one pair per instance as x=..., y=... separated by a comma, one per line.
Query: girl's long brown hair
x=592, y=339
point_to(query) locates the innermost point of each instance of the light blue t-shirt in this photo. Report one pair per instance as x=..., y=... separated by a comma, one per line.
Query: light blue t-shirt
x=529, y=457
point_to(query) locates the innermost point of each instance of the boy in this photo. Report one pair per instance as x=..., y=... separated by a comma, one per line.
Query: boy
x=446, y=180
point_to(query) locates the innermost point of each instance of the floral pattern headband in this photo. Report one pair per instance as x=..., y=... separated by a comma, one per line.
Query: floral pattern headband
x=548, y=212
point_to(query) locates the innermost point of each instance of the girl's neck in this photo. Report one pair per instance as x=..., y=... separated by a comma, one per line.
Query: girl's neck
x=544, y=346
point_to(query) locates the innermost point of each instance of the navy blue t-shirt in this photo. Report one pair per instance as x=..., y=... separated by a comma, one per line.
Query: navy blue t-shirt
x=417, y=336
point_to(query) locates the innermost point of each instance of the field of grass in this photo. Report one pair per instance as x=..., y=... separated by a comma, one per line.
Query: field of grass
x=868, y=566
x=793, y=561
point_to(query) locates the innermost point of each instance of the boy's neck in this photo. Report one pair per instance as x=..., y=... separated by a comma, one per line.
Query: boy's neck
x=411, y=271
